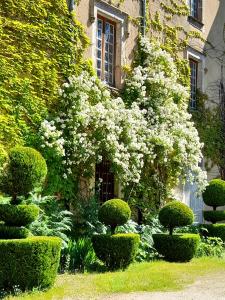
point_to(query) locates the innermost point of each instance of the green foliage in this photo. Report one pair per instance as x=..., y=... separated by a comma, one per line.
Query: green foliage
x=210, y=246
x=146, y=250
x=41, y=45
x=18, y=215
x=53, y=220
x=10, y=232
x=116, y=251
x=174, y=39
x=33, y=262
x=214, y=195
x=114, y=212
x=210, y=128
x=175, y=214
x=3, y=157
x=214, y=215
x=178, y=247
x=216, y=230
x=85, y=220
x=25, y=171
x=78, y=256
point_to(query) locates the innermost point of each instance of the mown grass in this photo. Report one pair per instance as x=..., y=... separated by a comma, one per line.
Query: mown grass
x=154, y=276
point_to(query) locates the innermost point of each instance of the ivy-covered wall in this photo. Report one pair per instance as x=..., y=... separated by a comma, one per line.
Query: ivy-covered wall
x=41, y=44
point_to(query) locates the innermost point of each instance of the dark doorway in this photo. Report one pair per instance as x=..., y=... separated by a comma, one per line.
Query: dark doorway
x=104, y=179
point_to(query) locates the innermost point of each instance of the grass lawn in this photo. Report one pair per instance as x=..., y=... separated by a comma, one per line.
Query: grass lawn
x=154, y=276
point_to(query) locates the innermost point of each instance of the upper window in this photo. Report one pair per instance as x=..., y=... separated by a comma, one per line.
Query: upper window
x=105, y=49
x=196, y=9
x=194, y=77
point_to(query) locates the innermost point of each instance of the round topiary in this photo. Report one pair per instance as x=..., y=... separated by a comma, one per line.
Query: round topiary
x=18, y=215
x=25, y=170
x=175, y=214
x=116, y=251
x=214, y=194
x=214, y=215
x=29, y=263
x=114, y=212
x=176, y=248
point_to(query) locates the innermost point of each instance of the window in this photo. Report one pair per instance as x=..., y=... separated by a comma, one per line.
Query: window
x=196, y=9
x=105, y=179
x=194, y=76
x=105, y=49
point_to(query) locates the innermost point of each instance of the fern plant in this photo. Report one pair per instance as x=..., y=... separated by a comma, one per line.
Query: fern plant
x=53, y=219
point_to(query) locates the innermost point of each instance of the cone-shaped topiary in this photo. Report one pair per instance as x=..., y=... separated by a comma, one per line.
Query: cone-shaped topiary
x=175, y=214
x=25, y=170
x=114, y=212
x=214, y=194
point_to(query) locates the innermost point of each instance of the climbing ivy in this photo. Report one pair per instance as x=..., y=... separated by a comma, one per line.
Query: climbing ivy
x=173, y=38
x=41, y=45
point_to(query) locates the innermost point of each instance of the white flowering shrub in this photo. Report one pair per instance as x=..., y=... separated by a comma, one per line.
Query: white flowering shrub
x=91, y=125
x=147, y=135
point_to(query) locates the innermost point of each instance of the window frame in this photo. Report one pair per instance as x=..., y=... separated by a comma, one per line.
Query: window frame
x=105, y=20
x=197, y=9
x=193, y=100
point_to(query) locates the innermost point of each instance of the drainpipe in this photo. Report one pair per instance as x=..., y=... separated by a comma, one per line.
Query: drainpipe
x=143, y=17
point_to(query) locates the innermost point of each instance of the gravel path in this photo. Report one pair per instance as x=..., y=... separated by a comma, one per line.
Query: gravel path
x=205, y=288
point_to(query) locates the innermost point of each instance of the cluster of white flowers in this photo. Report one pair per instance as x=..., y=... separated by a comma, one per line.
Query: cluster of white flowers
x=151, y=126
x=155, y=87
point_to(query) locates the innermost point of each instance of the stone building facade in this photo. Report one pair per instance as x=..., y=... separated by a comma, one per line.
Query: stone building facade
x=112, y=29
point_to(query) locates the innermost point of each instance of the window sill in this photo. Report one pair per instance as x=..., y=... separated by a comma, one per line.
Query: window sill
x=195, y=22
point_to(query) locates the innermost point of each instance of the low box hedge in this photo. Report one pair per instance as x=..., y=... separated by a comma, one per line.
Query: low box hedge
x=214, y=215
x=10, y=232
x=116, y=251
x=18, y=215
x=216, y=230
x=177, y=247
x=29, y=263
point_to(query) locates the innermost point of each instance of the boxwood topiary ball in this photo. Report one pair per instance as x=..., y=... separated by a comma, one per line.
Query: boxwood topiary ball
x=175, y=214
x=25, y=170
x=114, y=212
x=214, y=194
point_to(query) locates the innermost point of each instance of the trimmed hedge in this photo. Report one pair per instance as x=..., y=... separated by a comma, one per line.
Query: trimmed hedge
x=214, y=215
x=29, y=263
x=175, y=214
x=9, y=232
x=216, y=230
x=116, y=251
x=18, y=215
x=26, y=170
x=178, y=247
x=214, y=194
x=114, y=212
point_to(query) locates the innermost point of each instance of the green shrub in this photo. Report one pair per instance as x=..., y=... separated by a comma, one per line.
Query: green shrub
x=25, y=170
x=175, y=214
x=29, y=263
x=216, y=230
x=177, y=247
x=214, y=215
x=77, y=256
x=18, y=215
x=116, y=251
x=114, y=212
x=3, y=157
x=9, y=232
x=210, y=246
x=214, y=194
